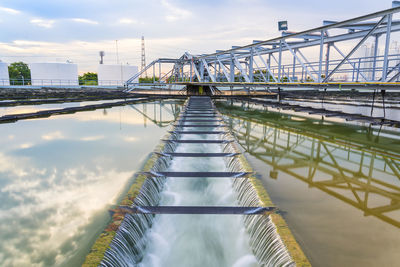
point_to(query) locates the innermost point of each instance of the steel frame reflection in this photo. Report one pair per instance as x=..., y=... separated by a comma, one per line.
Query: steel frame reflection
x=171, y=107
x=346, y=171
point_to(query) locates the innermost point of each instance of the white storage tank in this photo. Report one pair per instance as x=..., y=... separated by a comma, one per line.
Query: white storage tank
x=54, y=74
x=115, y=74
x=4, y=77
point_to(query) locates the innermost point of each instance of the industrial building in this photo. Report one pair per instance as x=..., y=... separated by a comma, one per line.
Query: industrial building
x=4, y=78
x=115, y=74
x=54, y=74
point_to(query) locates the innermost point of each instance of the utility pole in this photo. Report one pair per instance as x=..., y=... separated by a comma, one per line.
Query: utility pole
x=143, y=65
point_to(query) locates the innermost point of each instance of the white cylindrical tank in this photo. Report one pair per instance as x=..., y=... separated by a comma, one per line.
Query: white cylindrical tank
x=115, y=74
x=4, y=77
x=54, y=74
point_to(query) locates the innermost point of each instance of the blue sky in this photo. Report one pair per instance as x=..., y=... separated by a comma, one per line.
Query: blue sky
x=60, y=30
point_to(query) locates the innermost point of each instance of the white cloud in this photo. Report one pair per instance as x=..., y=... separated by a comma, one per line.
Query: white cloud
x=87, y=21
x=128, y=21
x=92, y=138
x=130, y=139
x=26, y=145
x=175, y=13
x=9, y=10
x=53, y=136
x=45, y=23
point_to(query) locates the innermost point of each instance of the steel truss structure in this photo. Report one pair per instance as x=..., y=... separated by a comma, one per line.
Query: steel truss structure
x=265, y=63
x=173, y=108
x=368, y=180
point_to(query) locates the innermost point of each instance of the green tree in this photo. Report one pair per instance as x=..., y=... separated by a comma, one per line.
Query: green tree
x=88, y=78
x=19, y=73
x=147, y=79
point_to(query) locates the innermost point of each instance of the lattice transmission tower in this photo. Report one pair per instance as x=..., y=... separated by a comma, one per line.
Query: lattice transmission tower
x=143, y=65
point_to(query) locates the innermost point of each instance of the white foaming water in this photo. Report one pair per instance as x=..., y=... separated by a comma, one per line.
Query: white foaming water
x=198, y=240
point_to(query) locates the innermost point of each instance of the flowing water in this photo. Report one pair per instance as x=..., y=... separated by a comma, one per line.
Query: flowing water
x=196, y=240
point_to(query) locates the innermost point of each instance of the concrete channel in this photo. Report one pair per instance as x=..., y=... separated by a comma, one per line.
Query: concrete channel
x=133, y=238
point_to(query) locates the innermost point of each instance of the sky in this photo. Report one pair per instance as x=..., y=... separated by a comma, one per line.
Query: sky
x=76, y=30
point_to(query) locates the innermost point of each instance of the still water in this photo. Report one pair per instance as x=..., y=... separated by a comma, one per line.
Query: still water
x=337, y=186
x=60, y=175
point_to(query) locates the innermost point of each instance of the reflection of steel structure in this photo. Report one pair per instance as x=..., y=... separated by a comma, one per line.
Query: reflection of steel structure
x=264, y=63
x=173, y=108
x=365, y=179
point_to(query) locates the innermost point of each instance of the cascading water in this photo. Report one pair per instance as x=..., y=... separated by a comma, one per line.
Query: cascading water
x=197, y=240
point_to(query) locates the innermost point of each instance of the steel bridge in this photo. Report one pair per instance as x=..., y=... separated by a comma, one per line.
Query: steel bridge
x=317, y=58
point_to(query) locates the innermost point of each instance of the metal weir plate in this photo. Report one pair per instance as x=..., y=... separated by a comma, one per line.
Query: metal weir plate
x=198, y=132
x=197, y=155
x=198, y=210
x=199, y=125
x=190, y=120
x=199, y=141
x=199, y=116
x=200, y=113
x=199, y=174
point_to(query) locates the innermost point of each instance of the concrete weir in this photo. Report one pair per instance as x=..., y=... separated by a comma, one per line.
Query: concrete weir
x=201, y=208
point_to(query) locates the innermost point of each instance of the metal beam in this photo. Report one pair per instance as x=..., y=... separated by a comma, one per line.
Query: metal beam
x=355, y=48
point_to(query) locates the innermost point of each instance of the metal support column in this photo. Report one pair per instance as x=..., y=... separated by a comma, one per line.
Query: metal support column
x=232, y=70
x=375, y=55
x=321, y=54
x=159, y=72
x=154, y=73
x=387, y=44
x=328, y=51
x=280, y=61
x=251, y=59
x=294, y=64
x=191, y=70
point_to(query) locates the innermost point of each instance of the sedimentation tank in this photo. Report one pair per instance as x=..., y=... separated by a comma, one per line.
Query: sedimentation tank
x=54, y=74
x=197, y=203
x=4, y=77
x=115, y=74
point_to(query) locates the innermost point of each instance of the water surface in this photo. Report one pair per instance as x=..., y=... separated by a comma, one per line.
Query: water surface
x=60, y=175
x=337, y=186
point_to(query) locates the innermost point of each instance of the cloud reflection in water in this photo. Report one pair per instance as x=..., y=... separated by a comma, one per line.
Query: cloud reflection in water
x=59, y=176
